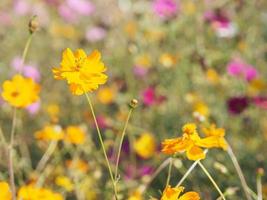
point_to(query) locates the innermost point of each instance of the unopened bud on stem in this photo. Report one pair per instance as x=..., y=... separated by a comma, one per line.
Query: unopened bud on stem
x=133, y=103
x=33, y=25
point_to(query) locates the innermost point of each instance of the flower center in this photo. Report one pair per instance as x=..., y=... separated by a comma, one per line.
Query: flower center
x=15, y=94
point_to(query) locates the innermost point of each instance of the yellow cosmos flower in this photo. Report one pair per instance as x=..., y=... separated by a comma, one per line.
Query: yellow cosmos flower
x=50, y=133
x=83, y=73
x=53, y=111
x=136, y=195
x=106, y=95
x=191, y=142
x=79, y=165
x=201, y=108
x=189, y=8
x=30, y=192
x=167, y=60
x=20, y=92
x=174, y=194
x=64, y=182
x=212, y=76
x=143, y=60
x=145, y=145
x=75, y=135
x=5, y=193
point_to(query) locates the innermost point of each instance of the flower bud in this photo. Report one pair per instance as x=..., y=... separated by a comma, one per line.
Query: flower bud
x=33, y=25
x=133, y=103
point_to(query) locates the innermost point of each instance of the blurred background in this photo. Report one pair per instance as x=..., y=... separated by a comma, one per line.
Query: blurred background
x=184, y=60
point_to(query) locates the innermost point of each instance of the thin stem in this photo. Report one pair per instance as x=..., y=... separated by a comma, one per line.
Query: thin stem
x=50, y=150
x=259, y=187
x=189, y=171
x=2, y=138
x=10, y=156
x=156, y=173
x=211, y=179
x=26, y=49
x=239, y=172
x=169, y=172
x=12, y=135
x=121, y=141
x=102, y=144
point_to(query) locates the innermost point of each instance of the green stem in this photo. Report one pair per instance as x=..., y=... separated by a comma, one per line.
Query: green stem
x=211, y=179
x=169, y=172
x=121, y=141
x=164, y=164
x=42, y=163
x=26, y=49
x=259, y=187
x=189, y=171
x=102, y=144
x=12, y=135
x=239, y=172
x=10, y=155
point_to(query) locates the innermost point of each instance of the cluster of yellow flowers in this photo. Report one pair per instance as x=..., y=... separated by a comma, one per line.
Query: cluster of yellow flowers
x=29, y=192
x=84, y=74
x=72, y=134
x=192, y=143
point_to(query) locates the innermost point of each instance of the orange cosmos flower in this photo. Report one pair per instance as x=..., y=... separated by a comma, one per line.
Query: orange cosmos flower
x=20, y=92
x=174, y=194
x=188, y=143
x=83, y=73
x=214, y=138
x=192, y=143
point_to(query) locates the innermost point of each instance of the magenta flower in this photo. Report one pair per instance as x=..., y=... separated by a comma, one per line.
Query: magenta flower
x=95, y=34
x=220, y=22
x=261, y=102
x=150, y=97
x=165, y=8
x=239, y=68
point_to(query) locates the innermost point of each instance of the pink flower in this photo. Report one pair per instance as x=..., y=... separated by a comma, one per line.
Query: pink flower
x=95, y=34
x=34, y=108
x=21, y=7
x=32, y=72
x=72, y=10
x=140, y=71
x=17, y=64
x=165, y=8
x=5, y=18
x=28, y=70
x=239, y=68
